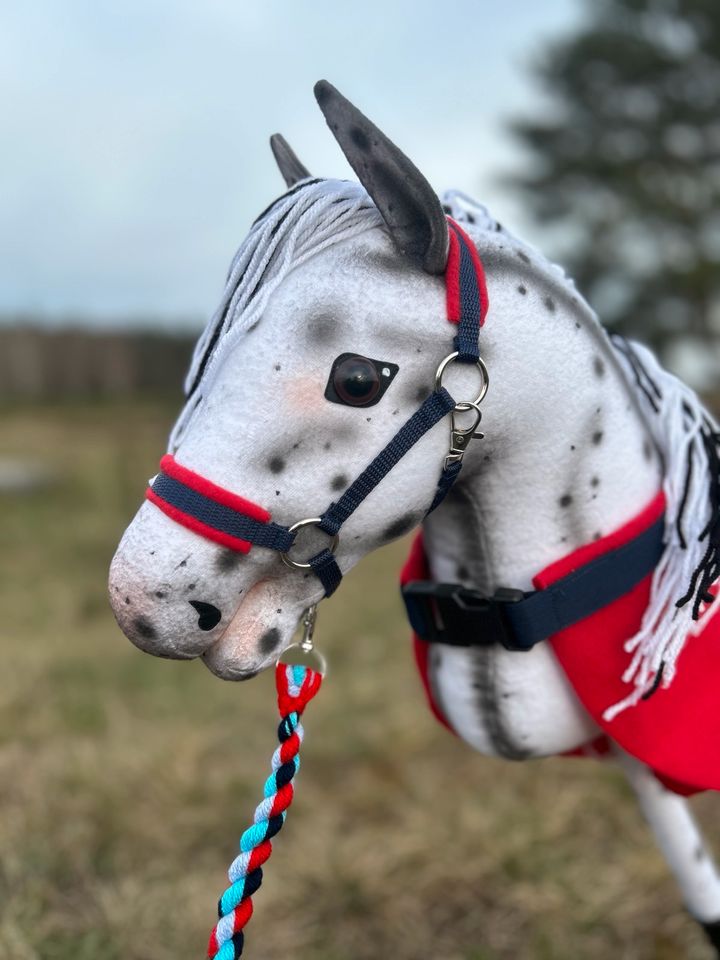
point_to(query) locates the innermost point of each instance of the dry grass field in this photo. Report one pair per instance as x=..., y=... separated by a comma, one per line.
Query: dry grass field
x=125, y=781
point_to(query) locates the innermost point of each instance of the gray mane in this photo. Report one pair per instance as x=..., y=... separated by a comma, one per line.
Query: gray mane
x=314, y=215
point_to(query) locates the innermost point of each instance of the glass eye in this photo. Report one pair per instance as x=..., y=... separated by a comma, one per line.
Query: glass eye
x=358, y=381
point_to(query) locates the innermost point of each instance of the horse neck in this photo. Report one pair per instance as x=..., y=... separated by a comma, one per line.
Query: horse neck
x=566, y=458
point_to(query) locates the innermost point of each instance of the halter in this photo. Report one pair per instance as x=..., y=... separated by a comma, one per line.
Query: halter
x=229, y=519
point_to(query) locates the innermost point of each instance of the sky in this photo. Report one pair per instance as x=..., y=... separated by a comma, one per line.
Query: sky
x=134, y=143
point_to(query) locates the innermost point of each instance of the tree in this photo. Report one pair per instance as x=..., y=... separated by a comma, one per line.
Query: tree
x=626, y=166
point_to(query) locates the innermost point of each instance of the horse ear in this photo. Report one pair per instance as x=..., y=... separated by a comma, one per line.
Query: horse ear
x=290, y=167
x=407, y=202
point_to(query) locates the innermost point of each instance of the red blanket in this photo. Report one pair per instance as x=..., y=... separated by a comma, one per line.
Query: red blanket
x=676, y=732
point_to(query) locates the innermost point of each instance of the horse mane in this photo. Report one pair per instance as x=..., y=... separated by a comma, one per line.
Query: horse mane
x=313, y=215
x=688, y=438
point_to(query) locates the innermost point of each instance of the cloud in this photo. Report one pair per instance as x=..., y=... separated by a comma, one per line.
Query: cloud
x=134, y=149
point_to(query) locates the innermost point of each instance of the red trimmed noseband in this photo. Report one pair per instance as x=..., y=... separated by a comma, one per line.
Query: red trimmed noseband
x=213, y=511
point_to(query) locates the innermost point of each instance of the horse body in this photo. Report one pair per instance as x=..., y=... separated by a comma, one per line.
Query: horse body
x=567, y=457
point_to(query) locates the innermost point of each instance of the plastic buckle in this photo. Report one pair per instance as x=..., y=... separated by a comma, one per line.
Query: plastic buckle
x=454, y=615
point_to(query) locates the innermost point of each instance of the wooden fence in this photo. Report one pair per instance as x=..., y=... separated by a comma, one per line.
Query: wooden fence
x=37, y=364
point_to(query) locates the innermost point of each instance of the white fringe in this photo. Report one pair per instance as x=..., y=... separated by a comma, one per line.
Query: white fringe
x=296, y=227
x=676, y=419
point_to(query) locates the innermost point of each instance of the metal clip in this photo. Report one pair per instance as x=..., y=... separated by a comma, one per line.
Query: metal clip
x=308, y=621
x=460, y=437
x=303, y=653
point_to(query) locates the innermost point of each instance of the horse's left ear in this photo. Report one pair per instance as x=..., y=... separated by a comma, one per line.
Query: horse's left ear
x=290, y=167
x=407, y=202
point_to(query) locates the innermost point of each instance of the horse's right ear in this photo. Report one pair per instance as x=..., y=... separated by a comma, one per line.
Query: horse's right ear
x=290, y=167
x=407, y=202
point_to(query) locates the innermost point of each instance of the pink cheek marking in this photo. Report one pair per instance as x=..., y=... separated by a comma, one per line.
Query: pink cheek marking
x=306, y=395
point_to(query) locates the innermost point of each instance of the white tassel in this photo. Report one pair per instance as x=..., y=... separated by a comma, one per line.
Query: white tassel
x=684, y=432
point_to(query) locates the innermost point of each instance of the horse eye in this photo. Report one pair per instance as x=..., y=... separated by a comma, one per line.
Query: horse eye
x=358, y=381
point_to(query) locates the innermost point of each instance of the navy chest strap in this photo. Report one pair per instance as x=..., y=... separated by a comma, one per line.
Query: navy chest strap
x=458, y=616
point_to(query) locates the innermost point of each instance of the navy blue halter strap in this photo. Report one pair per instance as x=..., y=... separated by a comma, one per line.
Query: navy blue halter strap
x=222, y=516
x=467, y=299
x=219, y=517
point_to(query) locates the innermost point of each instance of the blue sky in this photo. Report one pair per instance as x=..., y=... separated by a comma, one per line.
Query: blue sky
x=134, y=138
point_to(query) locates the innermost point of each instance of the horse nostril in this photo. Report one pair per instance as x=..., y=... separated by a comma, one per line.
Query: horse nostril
x=209, y=615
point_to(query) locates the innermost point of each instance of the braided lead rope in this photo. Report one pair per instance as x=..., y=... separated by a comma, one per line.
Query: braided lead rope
x=296, y=686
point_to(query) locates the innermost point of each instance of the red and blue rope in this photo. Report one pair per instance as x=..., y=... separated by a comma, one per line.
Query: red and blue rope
x=296, y=686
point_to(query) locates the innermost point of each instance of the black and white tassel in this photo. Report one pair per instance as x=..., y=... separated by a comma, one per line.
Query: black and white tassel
x=689, y=440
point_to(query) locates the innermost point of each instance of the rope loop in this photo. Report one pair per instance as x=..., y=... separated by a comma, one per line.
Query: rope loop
x=296, y=686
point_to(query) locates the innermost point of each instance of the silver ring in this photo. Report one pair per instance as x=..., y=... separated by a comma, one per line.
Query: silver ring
x=310, y=522
x=294, y=655
x=480, y=364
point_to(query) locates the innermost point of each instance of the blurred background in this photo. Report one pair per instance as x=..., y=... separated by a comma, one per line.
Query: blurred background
x=134, y=157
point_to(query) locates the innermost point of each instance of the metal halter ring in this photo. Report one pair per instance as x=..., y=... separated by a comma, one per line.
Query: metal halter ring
x=310, y=522
x=480, y=364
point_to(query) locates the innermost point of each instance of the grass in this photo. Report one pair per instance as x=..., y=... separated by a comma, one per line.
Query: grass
x=125, y=781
